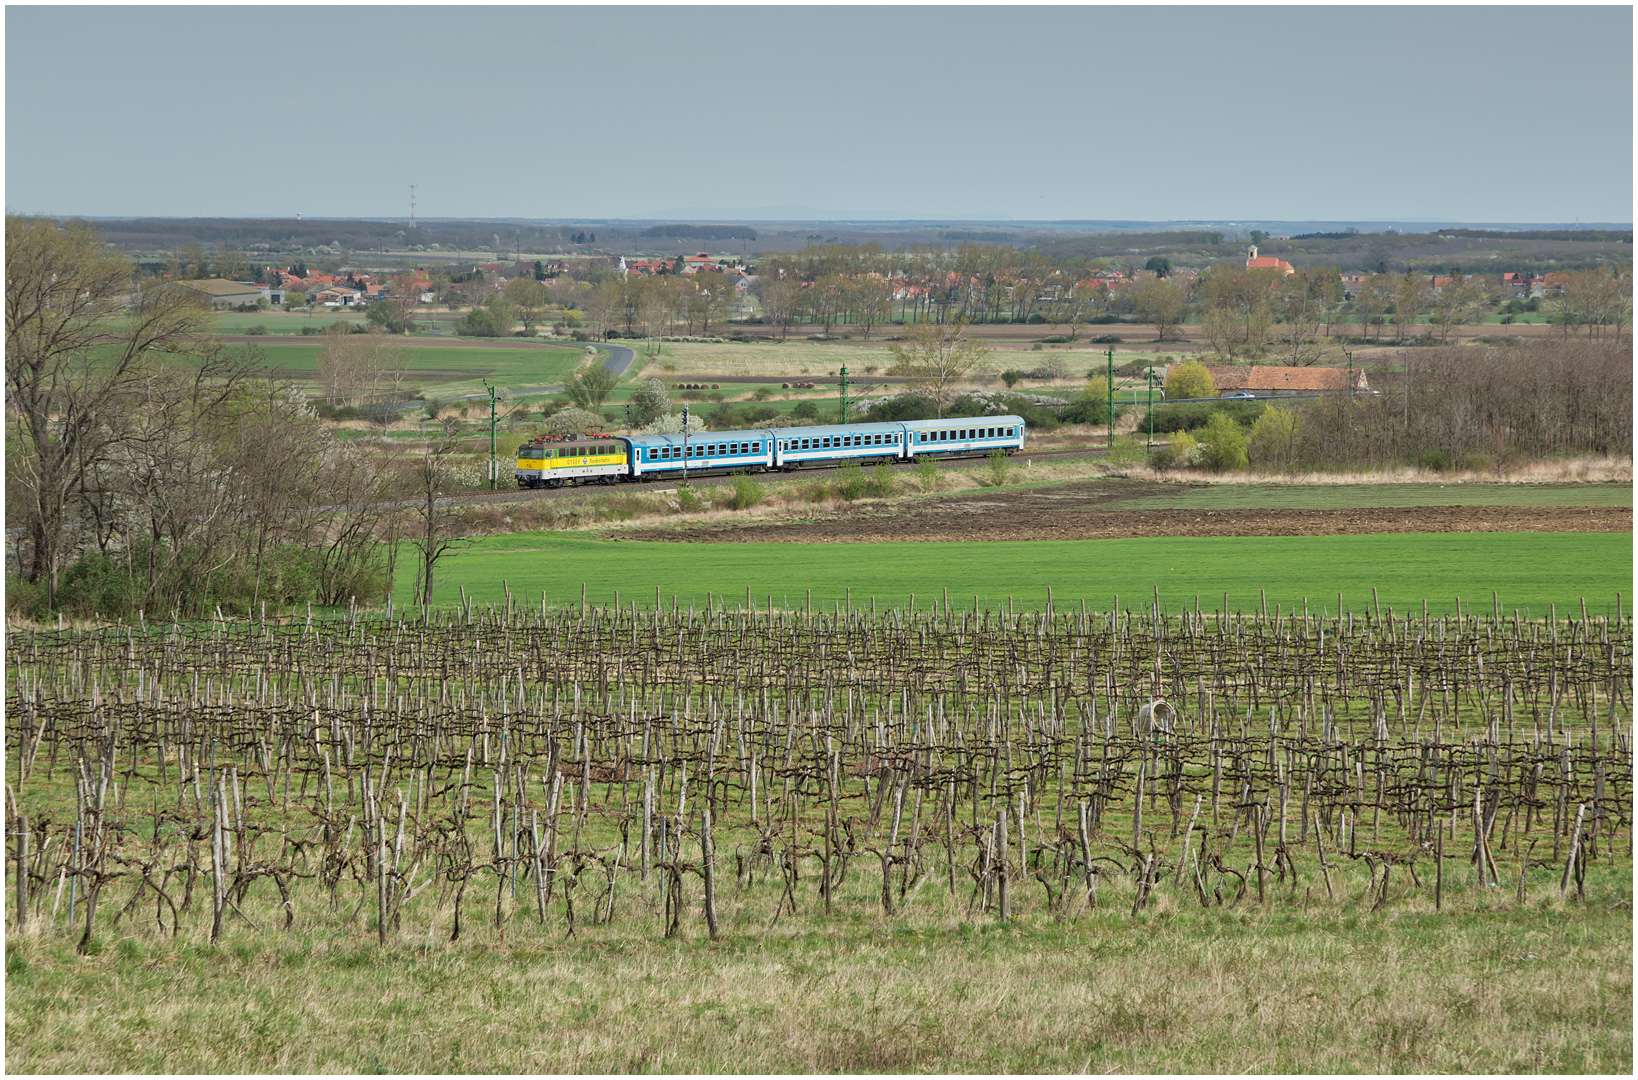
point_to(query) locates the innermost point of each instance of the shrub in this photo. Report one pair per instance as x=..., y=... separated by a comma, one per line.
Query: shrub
x=256, y=331
x=1185, y=451
x=807, y=410
x=744, y=493
x=996, y=468
x=688, y=500
x=1437, y=460
x=849, y=483
x=929, y=477
x=902, y=407
x=881, y=483
x=816, y=492
x=1275, y=439
x=1222, y=444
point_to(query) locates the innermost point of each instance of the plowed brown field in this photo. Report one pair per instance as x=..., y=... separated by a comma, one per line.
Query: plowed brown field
x=1073, y=513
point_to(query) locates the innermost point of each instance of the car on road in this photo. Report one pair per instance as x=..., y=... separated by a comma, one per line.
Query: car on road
x=1240, y=395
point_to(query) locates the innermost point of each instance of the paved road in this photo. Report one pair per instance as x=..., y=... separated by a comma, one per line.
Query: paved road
x=619, y=360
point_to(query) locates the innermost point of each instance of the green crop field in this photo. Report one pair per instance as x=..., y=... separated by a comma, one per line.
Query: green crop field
x=448, y=370
x=1528, y=571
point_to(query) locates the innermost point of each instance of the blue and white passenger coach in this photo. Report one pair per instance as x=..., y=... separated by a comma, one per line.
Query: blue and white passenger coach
x=964, y=436
x=656, y=457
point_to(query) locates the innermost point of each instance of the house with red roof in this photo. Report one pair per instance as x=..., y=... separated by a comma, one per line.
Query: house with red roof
x=1269, y=381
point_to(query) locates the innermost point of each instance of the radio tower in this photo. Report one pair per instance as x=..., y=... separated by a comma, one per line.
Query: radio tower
x=412, y=206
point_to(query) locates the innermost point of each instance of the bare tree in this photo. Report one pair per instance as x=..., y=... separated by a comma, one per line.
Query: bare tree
x=432, y=477
x=1164, y=302
x=529, y=298
x=1412, y=293
x=935, y=357
x=780, y=295
x=79, y=334
x=870, y=298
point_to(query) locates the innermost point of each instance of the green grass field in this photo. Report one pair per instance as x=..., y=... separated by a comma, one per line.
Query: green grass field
x=1527, y=570
x=1296, y=988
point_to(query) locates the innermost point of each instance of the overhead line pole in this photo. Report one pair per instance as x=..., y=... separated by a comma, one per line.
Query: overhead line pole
x=1111, y=355
x=494, y=464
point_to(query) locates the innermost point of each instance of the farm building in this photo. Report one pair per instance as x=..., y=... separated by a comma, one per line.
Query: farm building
x=225, y=294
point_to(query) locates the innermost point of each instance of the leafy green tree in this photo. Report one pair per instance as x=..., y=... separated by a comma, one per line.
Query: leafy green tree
x=1189, y=379
x=389, y=316
x=590, y=386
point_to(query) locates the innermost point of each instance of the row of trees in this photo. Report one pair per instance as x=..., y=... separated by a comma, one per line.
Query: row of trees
x=150, y=468
x=1444, y=408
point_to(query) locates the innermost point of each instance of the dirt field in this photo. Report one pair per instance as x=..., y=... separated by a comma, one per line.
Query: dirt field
x=1078, y=512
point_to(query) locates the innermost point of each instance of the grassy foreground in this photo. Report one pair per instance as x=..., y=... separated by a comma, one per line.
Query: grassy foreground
x=1527, y=570
x=1543, y=987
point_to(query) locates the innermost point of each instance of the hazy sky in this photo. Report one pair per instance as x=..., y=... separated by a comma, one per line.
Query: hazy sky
x=1152, y=113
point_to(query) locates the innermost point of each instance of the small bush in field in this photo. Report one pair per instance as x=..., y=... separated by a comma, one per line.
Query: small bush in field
x=996, y=469
x=850, y=481
x=744, y=493
x=929, y=477
x=881, y=482
x=688, y=500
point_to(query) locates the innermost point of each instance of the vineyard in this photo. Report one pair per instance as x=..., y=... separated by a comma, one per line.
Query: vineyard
x=709, y=772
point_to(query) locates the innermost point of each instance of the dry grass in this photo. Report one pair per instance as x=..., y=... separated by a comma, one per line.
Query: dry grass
x=1577, y=470
x=1303, y=986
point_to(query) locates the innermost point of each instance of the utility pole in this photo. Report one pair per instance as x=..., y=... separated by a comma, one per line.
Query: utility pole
x=685, y=444
x=494, y=463
x=844, y=393
x=1111, y=356
x=1149, y=381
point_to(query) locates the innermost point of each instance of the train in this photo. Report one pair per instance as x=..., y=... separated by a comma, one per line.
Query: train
x=553, y=461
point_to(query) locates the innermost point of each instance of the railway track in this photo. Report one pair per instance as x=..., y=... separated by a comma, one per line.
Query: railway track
x=517, y=494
